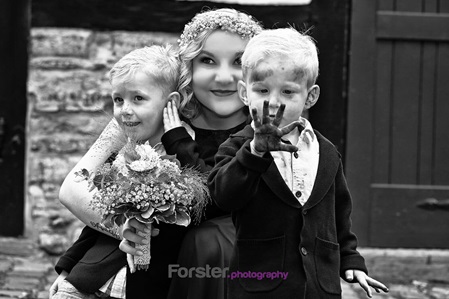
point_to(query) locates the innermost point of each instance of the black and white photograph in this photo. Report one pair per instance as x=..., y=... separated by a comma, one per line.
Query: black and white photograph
x=224, y=149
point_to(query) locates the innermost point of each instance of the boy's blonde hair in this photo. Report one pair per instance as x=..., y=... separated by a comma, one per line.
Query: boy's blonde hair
x=299, y=47
x=192, y=42
x=159, y=62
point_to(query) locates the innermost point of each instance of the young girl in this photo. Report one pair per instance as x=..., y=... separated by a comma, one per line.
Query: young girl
x=211, y=47
x=210, y=50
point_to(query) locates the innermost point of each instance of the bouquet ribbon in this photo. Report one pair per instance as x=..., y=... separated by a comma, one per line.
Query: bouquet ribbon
x=142, y=262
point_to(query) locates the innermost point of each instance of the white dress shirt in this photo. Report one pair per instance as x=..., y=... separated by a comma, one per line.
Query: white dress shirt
x=299, y=169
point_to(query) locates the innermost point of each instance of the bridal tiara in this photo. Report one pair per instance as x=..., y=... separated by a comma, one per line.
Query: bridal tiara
x=245, y=27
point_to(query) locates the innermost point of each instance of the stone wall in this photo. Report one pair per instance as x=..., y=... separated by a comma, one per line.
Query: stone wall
x=69, y=104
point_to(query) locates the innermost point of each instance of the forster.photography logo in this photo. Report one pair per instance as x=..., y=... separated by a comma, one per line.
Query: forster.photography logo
x=217, y=272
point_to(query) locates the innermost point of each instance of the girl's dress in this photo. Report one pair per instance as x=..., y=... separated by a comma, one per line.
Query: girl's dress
x=210, y=244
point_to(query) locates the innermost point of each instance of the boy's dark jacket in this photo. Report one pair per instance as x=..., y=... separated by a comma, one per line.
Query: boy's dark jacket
x=314, y=243
x=103, y=259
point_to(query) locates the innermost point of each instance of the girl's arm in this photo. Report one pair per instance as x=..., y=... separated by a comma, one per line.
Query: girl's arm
x=177, y=140
x=75, y=195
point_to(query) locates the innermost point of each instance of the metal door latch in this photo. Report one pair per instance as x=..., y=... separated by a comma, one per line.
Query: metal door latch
x=432, y=204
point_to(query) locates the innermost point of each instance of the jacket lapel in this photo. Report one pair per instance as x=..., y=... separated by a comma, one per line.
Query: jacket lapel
x=327, y=168
x=276, y=183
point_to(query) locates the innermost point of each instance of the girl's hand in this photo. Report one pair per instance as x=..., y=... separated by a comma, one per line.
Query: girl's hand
x=130, y=238
x=171, y=117
x=365, y=281
x=55, y=286
x=267, y=134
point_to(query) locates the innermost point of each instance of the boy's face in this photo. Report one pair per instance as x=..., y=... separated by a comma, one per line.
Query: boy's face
x=138, y=106
x=278, y=81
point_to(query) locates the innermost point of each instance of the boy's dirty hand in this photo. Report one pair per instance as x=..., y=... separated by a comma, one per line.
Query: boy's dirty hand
x=267, y=134
x=171, y=117
x=365, y=281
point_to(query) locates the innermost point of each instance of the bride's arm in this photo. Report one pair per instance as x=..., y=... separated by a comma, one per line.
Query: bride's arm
x=75, y=195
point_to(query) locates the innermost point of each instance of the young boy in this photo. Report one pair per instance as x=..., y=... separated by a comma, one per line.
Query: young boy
x=142, y=82
x=284, y=182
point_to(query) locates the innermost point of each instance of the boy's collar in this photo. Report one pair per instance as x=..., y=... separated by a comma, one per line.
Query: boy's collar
x=307, y=133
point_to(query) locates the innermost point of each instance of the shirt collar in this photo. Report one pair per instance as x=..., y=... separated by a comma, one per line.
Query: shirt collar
x=308, y=135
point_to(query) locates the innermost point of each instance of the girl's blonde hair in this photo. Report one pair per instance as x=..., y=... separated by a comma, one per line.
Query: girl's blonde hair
x=159, y=62
x=192, y=42
x=288, y=42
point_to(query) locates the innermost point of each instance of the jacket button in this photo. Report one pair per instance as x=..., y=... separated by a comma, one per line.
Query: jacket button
x=303, y=251
x=304, y=212
x=298, y=194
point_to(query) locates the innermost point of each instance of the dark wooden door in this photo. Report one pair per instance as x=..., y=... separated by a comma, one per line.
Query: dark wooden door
x=398, y=126
x=14, y=33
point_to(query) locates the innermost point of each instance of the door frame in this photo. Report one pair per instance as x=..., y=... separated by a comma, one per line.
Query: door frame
x=14, y=37
x=361, y=98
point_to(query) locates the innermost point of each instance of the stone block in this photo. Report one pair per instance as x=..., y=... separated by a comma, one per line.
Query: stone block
x=16, y=247
x=125, y=42
x=65, y=128
x=60, y=42
x=102, y=50
x=43, y=294
x=8, y=294
x=50, y=168
x=28, y=267
x=5, y=265
x=27, y=274
x=61, y=145
x=88, y=100
x=53, y=244
x=401, y=266
x=61, y=63
x=21, y=283
x=406, y=292
x=56, y=90
x=51, y=190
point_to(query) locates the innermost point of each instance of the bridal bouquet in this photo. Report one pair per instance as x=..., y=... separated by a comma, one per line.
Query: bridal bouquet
x=148, y=185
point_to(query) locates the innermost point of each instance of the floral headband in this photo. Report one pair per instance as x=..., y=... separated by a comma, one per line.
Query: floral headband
x=245, y=27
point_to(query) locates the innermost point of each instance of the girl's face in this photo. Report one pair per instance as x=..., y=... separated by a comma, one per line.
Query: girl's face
x=138, y=106
x=216, y=71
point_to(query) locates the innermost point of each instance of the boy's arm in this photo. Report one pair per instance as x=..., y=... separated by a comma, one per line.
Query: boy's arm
x=74, y=254
x=350, y=258
x=240, y=162
x=75, y=195
x=237, y=173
